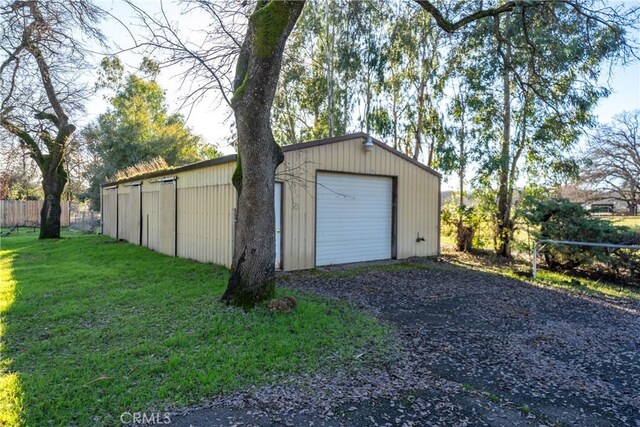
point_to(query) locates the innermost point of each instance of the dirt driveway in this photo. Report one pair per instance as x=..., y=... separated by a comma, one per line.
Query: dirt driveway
x=479, y=349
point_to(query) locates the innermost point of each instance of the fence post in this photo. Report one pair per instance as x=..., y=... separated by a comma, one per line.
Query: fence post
x=535, y=258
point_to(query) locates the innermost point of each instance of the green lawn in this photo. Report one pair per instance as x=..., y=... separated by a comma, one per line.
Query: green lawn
x=90, y=328
x=487, y=261
x=629, y=221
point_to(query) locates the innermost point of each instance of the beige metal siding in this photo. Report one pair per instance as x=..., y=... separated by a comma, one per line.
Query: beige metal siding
x=150, y=215
x=166, y=219
x=123, y=213
x=134, y=215
x=417, y=192
x=109, y=213
x=207, y=200
x=205, y=222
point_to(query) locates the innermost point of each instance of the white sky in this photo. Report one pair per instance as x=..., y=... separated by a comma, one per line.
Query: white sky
x=208, y=121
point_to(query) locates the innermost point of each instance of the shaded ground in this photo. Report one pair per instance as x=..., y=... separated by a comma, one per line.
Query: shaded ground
x=479, y=349
x=83, y=341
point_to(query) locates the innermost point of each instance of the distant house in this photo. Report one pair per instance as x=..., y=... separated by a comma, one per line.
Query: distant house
x=598, y=202
x=609, y=205
x=338, y=200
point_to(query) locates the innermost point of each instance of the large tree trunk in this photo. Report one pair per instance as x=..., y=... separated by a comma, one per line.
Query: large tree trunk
x=51, y=165
x=257, y=72
x=53, y=183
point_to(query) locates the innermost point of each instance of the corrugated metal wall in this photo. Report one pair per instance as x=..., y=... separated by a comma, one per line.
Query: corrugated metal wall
x=124, y=213
x=150, y=214
x=167, y=218
x=110, y=211
x=417, y=192
x=135, y=215
x=206, y=201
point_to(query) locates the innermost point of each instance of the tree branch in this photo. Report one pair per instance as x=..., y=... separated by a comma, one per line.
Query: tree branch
x=32, y=47
x=35, y=152
x=451, y=27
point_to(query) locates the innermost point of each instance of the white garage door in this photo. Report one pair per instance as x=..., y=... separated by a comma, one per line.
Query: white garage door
x=353, y=218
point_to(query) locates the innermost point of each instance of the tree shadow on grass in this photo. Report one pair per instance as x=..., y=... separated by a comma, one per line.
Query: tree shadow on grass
x=93, y=330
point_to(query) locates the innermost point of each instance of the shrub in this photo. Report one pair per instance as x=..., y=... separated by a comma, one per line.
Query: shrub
x=475, y=232
x=560, y=219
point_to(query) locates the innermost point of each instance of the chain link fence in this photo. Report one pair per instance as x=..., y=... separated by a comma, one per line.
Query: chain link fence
x=81, y=218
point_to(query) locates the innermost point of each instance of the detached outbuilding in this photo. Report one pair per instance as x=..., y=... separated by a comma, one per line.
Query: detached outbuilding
x=338, y=200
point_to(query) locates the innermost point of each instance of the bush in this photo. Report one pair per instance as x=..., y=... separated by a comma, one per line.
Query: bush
x=560, y=219
x=475, y=232
x=626, y=259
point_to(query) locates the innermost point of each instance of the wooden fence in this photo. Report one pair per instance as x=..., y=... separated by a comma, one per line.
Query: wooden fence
x=27, y=212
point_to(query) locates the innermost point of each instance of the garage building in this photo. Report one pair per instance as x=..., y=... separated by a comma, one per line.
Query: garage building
x=339, y=200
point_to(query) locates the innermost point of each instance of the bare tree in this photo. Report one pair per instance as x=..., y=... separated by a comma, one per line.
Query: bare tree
x=613, y=160
x=41, y=55
x=256, y=38
x=259, y=57
x=204, y=57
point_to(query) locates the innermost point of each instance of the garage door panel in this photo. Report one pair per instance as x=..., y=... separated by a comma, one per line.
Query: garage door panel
x=354, y=216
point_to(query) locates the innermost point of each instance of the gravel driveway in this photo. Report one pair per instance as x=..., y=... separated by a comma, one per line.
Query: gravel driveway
x=479, y=349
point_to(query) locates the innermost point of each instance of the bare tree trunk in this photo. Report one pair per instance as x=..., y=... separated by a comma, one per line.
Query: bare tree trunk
x=394, y=114
x=504, y=226
x=432, y=149
x=51, y=160
x=329, y=54
x=253, y=268
x=461, y=172
x=420, y=120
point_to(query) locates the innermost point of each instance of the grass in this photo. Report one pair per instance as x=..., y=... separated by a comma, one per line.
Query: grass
x=628, y=221
x=90, y=328
x=484, y=259
x=520, y=269
x=585, y=285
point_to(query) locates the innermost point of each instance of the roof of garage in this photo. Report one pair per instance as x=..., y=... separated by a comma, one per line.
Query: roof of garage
x=286, y=148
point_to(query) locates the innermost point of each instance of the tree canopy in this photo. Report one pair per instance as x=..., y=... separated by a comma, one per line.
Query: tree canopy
x=138, y=128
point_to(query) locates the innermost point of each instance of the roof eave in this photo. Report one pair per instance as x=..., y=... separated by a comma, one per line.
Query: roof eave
x=286, y=148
